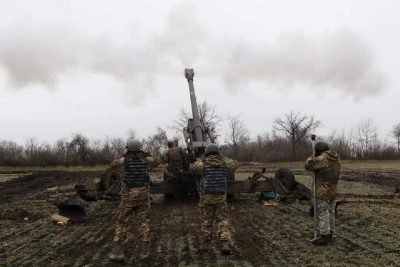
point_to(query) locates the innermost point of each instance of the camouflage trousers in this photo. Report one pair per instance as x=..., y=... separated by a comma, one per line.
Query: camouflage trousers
x=326, y=216
x=133, y=210
x=213, y=208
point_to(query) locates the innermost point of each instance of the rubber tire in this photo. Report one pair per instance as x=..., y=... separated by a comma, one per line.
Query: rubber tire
x=286, y=176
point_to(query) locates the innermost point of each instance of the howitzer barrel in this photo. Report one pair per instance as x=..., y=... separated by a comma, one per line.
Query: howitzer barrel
x=197, y=128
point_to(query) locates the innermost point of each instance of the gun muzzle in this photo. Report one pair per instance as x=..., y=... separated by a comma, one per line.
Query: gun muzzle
x=189, y=74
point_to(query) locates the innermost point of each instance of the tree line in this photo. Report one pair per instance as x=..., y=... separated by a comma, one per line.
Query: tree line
x=288, y=140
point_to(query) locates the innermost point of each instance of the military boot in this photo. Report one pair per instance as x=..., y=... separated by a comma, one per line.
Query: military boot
x=117, y=253
x=225, y=249
x=322, y=240
x=205, y=245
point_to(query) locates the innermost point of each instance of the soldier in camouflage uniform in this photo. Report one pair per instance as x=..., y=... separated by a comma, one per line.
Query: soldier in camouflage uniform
x=326, y=166
x=135, y=196
x=175, y=157
x=212, y=171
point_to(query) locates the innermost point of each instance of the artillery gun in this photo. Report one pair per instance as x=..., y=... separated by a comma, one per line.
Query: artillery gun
x=197, y=137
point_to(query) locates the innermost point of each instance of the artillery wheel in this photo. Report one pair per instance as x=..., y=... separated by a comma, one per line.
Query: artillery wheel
x=110, y=182
x=286, y=177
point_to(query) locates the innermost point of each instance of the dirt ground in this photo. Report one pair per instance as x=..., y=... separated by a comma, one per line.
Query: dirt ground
x=368, y=234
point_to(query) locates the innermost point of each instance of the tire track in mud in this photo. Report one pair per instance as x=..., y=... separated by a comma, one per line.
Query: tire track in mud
x=380, y=242
x=366, y=254
x=288, y=244
x=273, y=237
x=369, y=245
x=95, y=235
x=176, y=238
x=51, y=245
x=22, y=241
x=57, y=243
x=176, y=242
x=373, y=233
x=184, y=248
x=160, y=239
x=22, y=244
x=28, y=236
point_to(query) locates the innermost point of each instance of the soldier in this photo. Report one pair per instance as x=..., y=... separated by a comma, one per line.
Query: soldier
x=326, y=166
x=135, y=196
x=212, y=170
x=175, y=157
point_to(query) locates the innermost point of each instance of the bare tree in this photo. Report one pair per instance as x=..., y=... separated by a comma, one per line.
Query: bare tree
x=117, y=146
x=352, y=143
x=366, y=135
x=31, y=147
x=261, y=143
x=340, y=143
x=157, y=142
x=131, y=134
x=396, y=135
x=11, y=153
x=79, y=144
x=61, y=148
x=207, y=114
x=237, y=133
x=296, y=127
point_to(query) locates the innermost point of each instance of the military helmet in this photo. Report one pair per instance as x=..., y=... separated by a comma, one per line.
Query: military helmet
x=212, y=149
x=321, y=147
x=170, y=144
x=133, y=145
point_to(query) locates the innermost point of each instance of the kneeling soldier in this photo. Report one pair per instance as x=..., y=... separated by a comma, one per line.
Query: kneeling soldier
x=212, y=171
x=135, y=196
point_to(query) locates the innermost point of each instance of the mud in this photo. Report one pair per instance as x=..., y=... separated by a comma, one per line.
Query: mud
x=387, y=178
x=367, y=234
x=38, y=182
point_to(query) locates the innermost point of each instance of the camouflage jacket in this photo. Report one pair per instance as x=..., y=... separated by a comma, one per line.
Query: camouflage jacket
x=172, y=152
x=327, y=173
x=196, y=168
x=175, y=157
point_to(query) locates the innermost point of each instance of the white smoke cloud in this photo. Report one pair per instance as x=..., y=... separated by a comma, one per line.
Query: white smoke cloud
x=337, y=60
x=37, y=54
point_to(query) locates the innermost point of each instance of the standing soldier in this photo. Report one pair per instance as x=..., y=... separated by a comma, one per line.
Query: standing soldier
x=212, y=170
x=175, y=157
x=135, y=196
x=326, y=166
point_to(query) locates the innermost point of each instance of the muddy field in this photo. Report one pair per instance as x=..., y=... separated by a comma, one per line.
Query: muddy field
x=368, y=234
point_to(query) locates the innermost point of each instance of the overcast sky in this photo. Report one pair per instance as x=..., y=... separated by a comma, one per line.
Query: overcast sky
x=102, y=67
